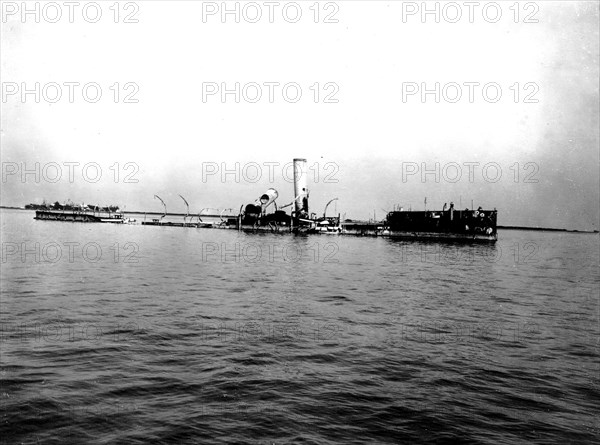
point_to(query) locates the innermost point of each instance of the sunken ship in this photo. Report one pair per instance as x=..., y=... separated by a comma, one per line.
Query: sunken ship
x=264, y=214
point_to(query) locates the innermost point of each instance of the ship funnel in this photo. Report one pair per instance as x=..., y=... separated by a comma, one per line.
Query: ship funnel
x=300, y=186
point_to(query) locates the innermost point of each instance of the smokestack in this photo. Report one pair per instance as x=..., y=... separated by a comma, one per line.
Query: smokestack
x=300, y=186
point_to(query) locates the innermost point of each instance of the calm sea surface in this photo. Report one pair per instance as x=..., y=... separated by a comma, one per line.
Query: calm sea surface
x=132, y=334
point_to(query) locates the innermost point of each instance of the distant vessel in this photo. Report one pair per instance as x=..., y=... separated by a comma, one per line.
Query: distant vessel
x=77, y=213
x=75, y=216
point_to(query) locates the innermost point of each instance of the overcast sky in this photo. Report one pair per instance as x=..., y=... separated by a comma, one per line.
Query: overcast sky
x=369, y=146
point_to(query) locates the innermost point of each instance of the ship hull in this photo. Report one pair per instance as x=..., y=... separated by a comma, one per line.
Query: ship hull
x=459, y=225
x=436, y=236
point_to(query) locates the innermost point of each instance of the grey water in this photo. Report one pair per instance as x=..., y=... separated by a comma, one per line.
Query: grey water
x=138, y=334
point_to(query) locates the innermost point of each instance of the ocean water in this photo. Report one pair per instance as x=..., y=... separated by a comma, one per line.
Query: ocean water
x=132, y=334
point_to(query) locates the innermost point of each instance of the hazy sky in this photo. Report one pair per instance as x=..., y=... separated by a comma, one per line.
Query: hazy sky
x=544, y=141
